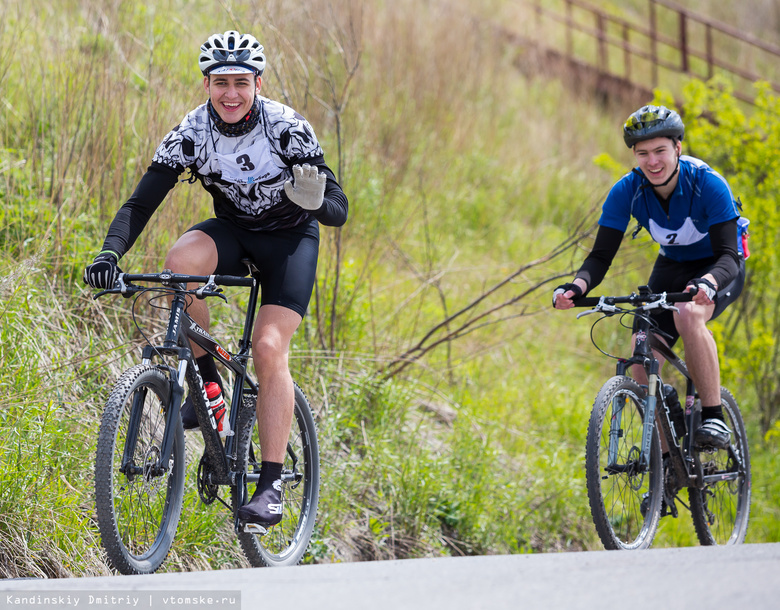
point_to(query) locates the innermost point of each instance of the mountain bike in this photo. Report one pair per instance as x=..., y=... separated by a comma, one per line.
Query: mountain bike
x=140, y=460
x=632, y=482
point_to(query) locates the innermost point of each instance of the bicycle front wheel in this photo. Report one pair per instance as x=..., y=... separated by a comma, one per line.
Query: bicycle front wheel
x=625, y=497
x=286, y=543
x=721, y=509
x=138, y=503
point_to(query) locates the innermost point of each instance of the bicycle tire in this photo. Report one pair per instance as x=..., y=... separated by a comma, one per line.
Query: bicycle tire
x=138, y=515
x=721, y=510
x=625, y=503
x=285, y=544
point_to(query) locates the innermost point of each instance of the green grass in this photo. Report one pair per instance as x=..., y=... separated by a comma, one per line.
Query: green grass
x=459, y=171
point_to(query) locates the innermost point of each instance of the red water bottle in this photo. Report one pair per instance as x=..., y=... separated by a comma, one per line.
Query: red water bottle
x=217, y=405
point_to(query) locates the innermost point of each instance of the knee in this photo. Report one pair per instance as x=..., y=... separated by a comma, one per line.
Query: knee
x=691, y=319
x=194, y=253
x=268, y=353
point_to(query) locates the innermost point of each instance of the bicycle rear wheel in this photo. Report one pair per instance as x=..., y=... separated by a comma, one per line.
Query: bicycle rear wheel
x=286, y=543
x=721, y=509
x=138, y=507
x=625, y=498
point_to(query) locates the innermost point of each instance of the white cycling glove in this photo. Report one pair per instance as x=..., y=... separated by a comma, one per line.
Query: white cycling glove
x=309, y=188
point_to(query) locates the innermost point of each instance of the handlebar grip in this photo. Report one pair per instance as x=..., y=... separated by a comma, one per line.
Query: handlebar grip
x=586, y=301
x=233, y=280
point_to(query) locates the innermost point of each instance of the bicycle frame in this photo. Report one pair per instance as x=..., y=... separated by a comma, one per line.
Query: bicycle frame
x=645, y=344
x=181, y=332
x=685, y=466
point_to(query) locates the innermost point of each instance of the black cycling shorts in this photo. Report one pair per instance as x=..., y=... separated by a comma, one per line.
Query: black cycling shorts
x=673, y=276
x=286, y=258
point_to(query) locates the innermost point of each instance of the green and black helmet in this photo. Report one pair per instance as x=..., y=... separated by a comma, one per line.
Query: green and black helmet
x=652, y=122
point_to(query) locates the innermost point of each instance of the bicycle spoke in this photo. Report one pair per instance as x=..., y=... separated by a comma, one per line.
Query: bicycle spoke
x=136, y=509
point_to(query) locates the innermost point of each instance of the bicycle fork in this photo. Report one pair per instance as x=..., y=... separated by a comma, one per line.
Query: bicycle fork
x=648, y=423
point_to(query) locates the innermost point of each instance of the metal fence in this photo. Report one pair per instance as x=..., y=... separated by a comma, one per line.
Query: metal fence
x=658, y=48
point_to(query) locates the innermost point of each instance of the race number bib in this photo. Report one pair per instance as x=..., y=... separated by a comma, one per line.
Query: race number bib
x=686, y=235
x=250, y=165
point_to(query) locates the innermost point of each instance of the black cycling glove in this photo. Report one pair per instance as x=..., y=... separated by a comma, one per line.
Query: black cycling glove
x=565, y=288
x=705, y=286
x=103, y=271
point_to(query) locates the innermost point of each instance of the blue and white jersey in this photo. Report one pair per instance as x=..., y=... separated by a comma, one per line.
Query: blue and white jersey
x=702, y=198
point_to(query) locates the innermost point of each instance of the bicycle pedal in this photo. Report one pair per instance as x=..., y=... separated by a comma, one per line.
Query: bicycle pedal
x=254, y=528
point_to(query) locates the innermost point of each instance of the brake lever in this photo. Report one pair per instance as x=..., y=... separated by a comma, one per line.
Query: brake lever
x=602, y=307
x=660, y=304
x=210, y=289
x=587, y=312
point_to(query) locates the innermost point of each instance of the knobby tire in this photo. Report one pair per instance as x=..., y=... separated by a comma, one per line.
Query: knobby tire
x=721, y=510
x=625, y=502
x=286, y=543
x=138, y=513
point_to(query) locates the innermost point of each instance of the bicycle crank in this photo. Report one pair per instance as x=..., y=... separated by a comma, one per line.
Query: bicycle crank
x=207, y=490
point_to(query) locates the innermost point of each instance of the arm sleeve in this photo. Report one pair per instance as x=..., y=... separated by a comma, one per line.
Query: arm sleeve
x=723, y=237
x=133, y=216
x=597, y=263
x=335, y=206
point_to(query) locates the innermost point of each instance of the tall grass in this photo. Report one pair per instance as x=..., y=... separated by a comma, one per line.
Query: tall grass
x=458, y=170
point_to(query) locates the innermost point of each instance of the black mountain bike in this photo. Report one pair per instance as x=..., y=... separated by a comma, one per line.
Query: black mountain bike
x=140, y=461
x=630, y=485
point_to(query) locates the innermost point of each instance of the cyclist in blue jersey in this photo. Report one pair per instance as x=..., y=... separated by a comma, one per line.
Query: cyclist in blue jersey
x=688, y=208
x=265, y=170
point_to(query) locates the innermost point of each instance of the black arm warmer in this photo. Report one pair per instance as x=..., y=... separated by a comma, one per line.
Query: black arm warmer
x=132, y=217
x=597, y=263
x=723, y=237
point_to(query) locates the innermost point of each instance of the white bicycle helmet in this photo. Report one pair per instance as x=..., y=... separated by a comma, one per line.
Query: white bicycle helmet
x=231, y=52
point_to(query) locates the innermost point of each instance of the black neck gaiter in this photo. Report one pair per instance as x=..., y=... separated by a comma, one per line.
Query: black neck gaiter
x=240, y=128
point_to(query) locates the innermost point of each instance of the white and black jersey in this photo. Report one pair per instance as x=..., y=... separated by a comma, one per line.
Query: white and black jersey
x=245, y=174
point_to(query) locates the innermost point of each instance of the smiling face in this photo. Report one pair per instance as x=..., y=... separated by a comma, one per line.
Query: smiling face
x=232, y=95
x=657, y=158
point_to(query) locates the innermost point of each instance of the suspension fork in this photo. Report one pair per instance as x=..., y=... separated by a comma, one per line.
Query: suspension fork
x=651, y=403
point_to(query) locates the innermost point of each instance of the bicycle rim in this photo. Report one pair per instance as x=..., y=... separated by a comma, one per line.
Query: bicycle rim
x=721, y=510
x=285, y=543
x=625, y=499
x=138, y=512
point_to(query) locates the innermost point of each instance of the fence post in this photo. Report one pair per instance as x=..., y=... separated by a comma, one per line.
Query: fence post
x=683, y=42
x=626, y=54
x=653, y=46
x=569, y=43
x=602, y=44
x=710, y=56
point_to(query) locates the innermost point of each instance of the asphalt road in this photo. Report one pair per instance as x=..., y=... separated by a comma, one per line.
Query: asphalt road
x=746, y=576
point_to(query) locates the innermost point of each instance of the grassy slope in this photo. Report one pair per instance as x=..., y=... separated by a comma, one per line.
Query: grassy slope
x=458, y=171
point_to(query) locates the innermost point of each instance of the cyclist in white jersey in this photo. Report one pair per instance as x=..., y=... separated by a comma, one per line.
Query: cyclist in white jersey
x=265, y=170
x=689, y=209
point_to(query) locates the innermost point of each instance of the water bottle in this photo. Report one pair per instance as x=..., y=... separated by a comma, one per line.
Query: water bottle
x=676, y=414
x=217, y=405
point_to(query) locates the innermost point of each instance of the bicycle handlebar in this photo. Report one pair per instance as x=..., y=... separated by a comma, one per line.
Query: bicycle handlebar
x=124, y=285
x=166, y=277
x=636, y=299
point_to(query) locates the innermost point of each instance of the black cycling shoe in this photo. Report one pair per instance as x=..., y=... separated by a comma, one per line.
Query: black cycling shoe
x=265, y=507
x=713, y=433
x=188, y=418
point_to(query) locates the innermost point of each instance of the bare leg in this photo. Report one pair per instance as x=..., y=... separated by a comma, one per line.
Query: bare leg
x=276, y=399
x=701, y=352
x=194, y=253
